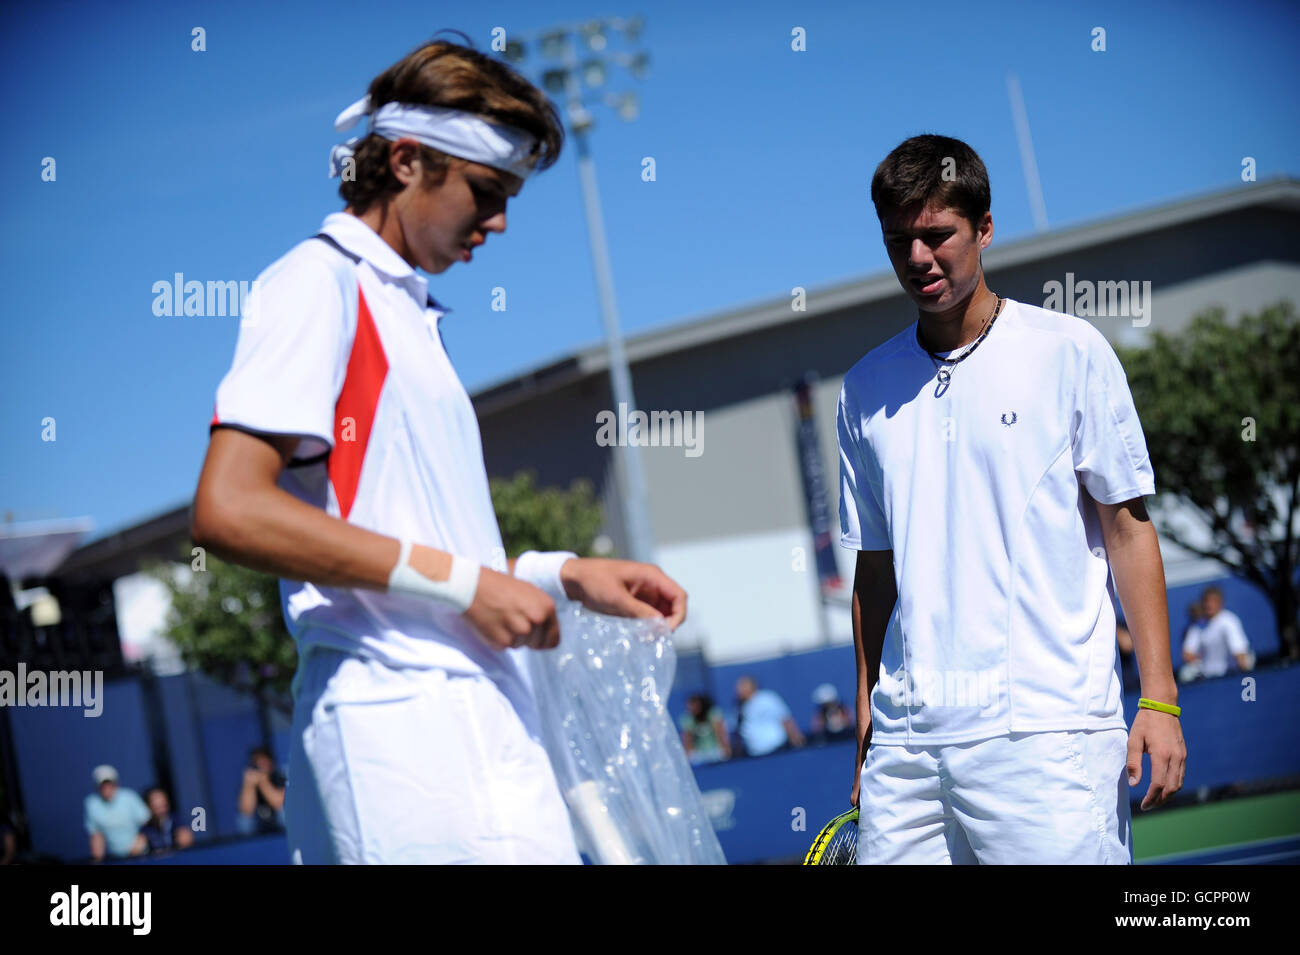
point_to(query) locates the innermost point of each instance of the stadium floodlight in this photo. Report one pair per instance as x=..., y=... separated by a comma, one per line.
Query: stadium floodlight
x=580, y=118
x=627, y=104
x=639, y=66
x=593, y=34
x=556, y=81
x=593, y=73
x=554, y=44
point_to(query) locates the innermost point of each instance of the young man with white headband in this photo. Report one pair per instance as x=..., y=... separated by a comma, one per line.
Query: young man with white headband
x=345, y=458
x=992, y=473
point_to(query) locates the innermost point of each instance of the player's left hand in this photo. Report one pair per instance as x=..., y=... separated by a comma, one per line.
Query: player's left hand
x=624, y=588
x=1161, y=736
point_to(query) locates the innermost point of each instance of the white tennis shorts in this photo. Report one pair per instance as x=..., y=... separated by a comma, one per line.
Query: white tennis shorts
x=418, y=766
x=1023, y=799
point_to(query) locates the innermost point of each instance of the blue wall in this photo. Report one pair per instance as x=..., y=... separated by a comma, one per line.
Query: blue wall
x=208, y=731
x=189, y=768
x=57, y=747
x=796, y=675
x=256, y=850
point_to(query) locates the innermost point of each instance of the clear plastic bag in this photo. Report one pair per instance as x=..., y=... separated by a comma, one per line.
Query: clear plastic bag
x=619, y=760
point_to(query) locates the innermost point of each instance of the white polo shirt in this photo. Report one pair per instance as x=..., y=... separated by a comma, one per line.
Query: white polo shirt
x=1217, y=641
x=1004, y=621
x=349, y=358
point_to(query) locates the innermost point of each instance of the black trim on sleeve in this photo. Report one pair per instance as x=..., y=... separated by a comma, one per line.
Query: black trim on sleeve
x=308, y=462
x=293, y=462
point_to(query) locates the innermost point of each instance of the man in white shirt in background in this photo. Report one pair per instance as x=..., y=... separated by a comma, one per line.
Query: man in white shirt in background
x=1218, y=641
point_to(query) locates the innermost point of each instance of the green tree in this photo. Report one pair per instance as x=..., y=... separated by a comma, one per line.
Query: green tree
x=1220, y=406
x=533, y=518
x=225, y=619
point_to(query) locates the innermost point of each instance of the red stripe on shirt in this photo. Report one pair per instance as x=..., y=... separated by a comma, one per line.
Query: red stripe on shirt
x=367, y=369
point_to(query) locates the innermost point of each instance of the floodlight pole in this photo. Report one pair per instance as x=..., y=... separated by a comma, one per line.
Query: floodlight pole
x=640, y=543
x=635, y=499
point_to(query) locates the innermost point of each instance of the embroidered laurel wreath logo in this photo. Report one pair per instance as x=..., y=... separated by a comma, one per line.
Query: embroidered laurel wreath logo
x=1011, y=422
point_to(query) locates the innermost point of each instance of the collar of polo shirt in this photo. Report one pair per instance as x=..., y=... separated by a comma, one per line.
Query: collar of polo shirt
x=358, y=238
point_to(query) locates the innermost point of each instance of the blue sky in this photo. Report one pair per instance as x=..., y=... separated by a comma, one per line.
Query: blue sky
x=213, y=164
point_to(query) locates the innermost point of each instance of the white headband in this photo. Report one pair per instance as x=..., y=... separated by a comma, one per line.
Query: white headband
x=452, y=131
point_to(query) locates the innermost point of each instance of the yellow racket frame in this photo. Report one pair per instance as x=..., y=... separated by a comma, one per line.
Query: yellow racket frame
x=824, y=837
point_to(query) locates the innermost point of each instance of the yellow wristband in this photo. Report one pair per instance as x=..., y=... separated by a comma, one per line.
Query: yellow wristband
x=1145, y=704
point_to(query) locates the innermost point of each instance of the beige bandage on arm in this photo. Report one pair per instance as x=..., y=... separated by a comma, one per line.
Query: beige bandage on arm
x=457, y=590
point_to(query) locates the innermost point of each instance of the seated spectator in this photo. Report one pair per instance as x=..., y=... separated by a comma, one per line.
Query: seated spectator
x=1219, y=641
x=162, y=830
x=831, y=719
x=704, y=732
x=114, y=816
x=764, y=724
x=261, y=800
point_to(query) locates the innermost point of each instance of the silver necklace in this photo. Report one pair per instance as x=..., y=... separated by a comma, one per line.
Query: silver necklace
x=945, y=374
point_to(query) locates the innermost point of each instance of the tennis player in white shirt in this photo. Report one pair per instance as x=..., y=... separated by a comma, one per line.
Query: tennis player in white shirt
x=345, y=458
x=993, y=470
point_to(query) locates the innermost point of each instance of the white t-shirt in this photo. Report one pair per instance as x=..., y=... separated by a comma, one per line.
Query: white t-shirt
x=1217, y=641
x=1004, y=621
x=349, y=357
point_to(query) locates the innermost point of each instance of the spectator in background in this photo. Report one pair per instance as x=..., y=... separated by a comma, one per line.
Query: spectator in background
x=831, y=718
x=704, y=731
x=162, y=831
x=261, y=800
x=1218, y=641
x=764, y=724
x=114, y=816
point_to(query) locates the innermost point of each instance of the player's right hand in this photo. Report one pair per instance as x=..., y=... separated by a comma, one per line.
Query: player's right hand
x=508, y=612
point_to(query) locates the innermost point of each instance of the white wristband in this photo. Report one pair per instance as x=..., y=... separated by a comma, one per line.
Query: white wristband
x=542, y=570
x=457, y=590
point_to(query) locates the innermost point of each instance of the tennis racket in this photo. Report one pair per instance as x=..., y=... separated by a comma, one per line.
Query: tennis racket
x=837, y=843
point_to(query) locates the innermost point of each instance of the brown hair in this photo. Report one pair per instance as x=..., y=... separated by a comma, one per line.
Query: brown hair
x=912, y=177
x=440, y=73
